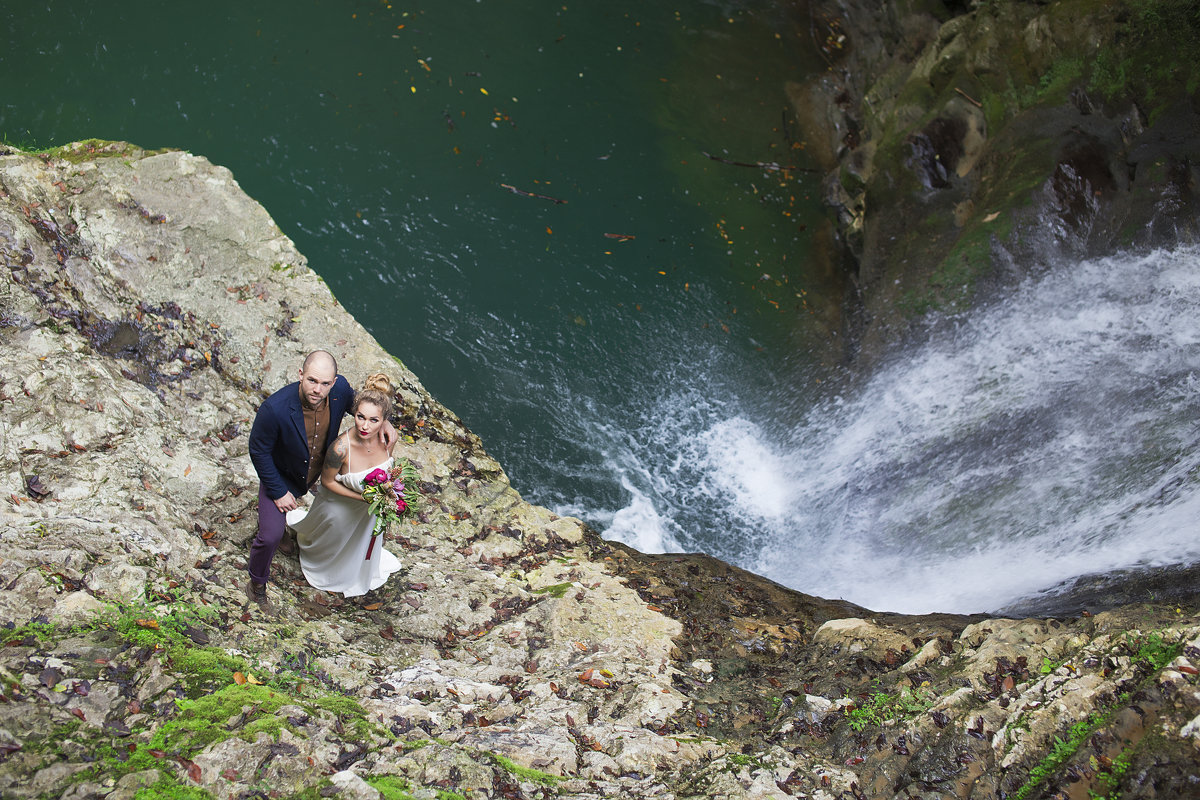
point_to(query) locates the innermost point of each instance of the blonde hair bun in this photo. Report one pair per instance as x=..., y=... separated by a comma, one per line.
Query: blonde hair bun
x=378, y=382
x=376, y=389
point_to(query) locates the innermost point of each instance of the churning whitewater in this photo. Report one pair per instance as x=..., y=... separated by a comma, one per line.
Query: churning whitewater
x=1049, y=435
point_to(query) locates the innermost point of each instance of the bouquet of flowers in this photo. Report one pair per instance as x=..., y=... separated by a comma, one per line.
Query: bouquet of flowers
x=391, y=495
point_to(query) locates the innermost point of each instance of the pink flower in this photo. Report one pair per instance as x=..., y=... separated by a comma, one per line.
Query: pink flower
x=401, y=506
x=375, y=477
x=398, y=485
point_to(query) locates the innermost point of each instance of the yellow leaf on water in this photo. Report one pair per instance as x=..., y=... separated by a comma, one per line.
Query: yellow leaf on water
x=483, y=90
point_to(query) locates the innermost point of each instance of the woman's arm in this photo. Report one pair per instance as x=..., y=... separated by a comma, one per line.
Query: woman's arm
x=335, y=456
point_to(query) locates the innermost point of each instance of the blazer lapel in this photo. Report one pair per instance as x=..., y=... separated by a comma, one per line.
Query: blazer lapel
x=297, y=416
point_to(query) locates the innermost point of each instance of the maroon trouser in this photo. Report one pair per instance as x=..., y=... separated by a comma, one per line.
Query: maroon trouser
x=271, y=525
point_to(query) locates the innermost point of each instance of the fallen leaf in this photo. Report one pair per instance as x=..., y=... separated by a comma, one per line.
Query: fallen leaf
x=253, y=681
x=373, y=606
x=193, y=771
x=991, y=216
x=148, y=623
x=239, y=678
x=79, y=713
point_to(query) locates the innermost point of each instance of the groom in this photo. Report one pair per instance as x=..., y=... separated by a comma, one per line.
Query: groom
x=291, y=431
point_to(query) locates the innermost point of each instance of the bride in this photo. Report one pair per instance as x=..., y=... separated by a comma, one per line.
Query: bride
x=334, y=534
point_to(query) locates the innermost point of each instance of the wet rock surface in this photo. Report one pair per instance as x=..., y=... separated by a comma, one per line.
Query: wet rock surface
x=148, y=307
x=967, y=144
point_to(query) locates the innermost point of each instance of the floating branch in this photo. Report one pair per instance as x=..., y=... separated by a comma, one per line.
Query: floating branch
x=767, y=165
x=515, y=190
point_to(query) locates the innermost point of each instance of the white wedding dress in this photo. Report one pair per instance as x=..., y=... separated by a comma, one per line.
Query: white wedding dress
x=334, y=534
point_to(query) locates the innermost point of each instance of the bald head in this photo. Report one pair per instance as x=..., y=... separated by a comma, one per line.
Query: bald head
x=317, y=375
x=320, y=357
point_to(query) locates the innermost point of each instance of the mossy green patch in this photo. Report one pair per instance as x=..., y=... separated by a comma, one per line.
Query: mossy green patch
x=31, y=634
x=524, y=773
x=395, y=787
x=557, y=590
x=1154, y=55
x=879, y=707
x=168, y=787
x=169, y=631
x=92, y=149
x=391, y=787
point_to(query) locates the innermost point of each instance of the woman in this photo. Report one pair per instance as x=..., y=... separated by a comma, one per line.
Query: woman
x=335, y=533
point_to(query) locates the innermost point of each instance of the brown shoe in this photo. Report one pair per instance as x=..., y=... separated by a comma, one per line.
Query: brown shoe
x=257, y=592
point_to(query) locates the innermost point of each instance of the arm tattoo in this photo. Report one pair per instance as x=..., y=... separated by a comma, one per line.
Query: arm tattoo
x=336, y=454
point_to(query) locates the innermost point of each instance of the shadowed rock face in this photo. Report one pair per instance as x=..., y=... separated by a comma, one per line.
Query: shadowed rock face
x=988, y=135
x=148, y=306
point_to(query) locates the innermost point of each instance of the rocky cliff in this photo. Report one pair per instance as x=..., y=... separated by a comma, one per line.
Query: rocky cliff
x=149, y=305
x=968, y=144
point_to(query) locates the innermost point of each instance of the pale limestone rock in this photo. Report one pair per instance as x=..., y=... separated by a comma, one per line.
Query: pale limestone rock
x=74, y=608
x=119, y=581
x=353, y=787
x=861, y=636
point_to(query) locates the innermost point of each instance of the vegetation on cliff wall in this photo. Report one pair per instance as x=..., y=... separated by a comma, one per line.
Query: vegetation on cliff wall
x=1016, y=130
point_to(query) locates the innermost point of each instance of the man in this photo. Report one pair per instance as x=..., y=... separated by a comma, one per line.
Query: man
x=291, y=432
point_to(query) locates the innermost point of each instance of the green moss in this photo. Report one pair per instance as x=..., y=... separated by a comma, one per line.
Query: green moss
x=880, y=707
x=557, y=590
x=524, y=773
x=168, y=787
x=92, y=149
x=347, y=708
x=743, y=760
x=1154, y=55
x=205, y=667
x=31, y=633
x=391, y=787
x=202, y=669
x=205, y=720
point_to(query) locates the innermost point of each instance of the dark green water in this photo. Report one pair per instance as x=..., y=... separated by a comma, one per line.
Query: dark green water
x=380, y=136
x=656, y=383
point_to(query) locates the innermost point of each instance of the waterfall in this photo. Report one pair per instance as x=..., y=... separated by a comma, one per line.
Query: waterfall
x=1051, y=434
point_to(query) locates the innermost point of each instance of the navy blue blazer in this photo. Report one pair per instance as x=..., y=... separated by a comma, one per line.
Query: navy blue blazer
x=279, y=444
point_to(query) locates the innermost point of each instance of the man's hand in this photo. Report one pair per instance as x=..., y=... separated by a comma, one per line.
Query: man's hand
x=286, y=503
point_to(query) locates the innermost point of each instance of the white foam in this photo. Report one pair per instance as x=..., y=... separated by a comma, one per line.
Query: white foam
x=1050, y=435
